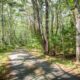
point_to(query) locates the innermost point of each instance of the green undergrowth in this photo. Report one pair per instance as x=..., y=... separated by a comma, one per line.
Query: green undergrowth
x=3, y=64
x=6, y=48
x=52, y=59
x=63, y=61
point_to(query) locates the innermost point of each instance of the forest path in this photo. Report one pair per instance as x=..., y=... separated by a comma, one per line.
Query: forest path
x=24, y=66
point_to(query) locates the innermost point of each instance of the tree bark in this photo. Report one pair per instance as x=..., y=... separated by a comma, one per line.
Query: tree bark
x=78, y=37
x=2, y=22
x=46, y=37
x=77, y=17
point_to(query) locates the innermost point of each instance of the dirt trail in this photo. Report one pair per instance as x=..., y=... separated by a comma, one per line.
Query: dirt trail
x=24, y=66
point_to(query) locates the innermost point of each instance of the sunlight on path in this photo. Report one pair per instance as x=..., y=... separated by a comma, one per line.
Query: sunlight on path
x=25, y=66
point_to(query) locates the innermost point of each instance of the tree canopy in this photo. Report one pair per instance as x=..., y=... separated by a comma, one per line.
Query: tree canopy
x=50, y=25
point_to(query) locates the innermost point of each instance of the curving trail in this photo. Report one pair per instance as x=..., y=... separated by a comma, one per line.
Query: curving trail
x=24, y=66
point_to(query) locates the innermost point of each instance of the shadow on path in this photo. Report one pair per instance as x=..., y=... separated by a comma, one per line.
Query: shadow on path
x=24, y=66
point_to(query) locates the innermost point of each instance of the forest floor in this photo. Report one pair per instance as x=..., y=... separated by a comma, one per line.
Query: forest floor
x=24, y=65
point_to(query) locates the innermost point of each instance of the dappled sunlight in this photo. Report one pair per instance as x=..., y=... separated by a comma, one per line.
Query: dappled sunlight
x=30, y=64
x=36, y=52
x=39, y=71
x=29, y=67
x=39, y=40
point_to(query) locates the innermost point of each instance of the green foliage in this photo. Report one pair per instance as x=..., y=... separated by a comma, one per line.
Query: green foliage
x=19, y=30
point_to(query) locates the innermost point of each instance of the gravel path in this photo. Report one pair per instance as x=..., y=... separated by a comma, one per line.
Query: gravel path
x=24, y=66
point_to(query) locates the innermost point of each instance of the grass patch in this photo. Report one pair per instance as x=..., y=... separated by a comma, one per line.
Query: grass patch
x=62, y=61
x=65, y=62
x=3, y=64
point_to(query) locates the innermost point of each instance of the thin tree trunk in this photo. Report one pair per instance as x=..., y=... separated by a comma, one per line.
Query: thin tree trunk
x=46, y=37
x=77, y=17
x=2, y=23
x=78, y=37
x=57, y=19
x=34, y=15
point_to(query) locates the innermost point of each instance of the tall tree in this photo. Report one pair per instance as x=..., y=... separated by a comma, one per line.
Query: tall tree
x=77, y=17
x=2, y=20
x=46, y=36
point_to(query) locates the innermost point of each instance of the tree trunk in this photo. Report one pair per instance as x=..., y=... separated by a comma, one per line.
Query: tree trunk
x=34, y=15
x=77, y=17
x=2, y=23
x=78, y=38
x=46, y=37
